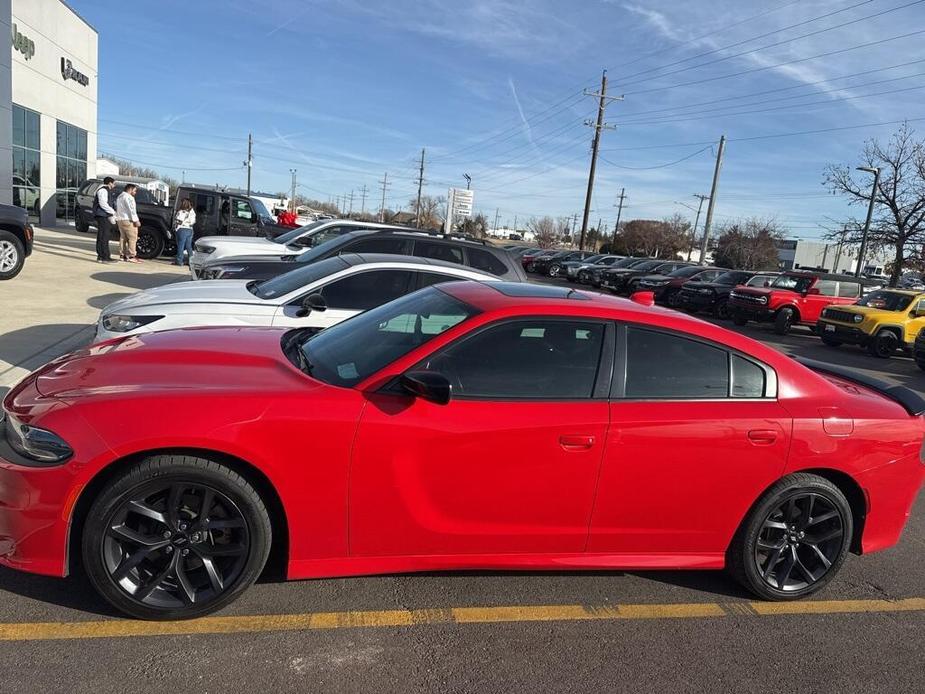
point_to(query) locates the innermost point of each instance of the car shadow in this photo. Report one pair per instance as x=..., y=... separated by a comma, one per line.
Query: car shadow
x=18, y=347
x=138, y=280
x=103, y=300
x=74, y=592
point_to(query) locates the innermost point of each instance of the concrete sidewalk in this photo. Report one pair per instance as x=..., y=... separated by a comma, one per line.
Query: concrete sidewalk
x=52, y=306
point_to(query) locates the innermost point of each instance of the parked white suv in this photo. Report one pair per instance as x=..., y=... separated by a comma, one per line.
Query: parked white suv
x=289, y=243
x=317, y=295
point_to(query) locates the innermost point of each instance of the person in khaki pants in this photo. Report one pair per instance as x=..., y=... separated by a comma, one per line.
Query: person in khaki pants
x=127, y=219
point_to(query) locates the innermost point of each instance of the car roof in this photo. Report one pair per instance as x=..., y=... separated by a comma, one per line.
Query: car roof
x=898, y=290
x=418, y=234
x=829, y=276
x=367, y=258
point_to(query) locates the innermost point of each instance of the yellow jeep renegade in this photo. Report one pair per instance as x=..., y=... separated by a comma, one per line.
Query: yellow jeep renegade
x=882, y=321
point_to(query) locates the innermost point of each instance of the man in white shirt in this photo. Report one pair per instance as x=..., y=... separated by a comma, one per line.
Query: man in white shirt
x=105, y=217
x=127, y=219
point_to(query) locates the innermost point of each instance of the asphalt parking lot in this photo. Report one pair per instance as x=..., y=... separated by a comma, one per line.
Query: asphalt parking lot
x=463, y=632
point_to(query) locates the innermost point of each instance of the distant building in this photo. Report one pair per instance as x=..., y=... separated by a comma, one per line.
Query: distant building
x=106, y=167
x=795, y=254
x=509, y=234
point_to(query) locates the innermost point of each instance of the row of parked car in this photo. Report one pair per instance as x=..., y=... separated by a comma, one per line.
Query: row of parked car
x=839, y=309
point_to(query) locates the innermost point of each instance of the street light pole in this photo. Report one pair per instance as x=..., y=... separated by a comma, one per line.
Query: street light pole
x=870, y=213
x=468, y=181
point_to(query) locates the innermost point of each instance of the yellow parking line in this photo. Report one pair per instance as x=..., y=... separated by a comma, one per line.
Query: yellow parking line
x=43, y=631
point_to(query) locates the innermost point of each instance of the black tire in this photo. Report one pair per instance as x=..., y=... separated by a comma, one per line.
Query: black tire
x=583, y=277
x=150, y=243
x=673, y=299
x=738, y=318
x=80, y=223
x=721, y=309
x=222, y=563
x=530, y=267
x=12, y=255
x=883, y=344
x=920, y=361
x=554, y=270
x=758, y=555
x=829, y=341
x=784, y=320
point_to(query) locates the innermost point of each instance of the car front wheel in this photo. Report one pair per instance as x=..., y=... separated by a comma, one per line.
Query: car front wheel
x=12, y=255
x=554, y=270
x=883, y=344
x=738, y=318
x=794, y=540
x=150, y=244
x=175, y=537
x=784, y=320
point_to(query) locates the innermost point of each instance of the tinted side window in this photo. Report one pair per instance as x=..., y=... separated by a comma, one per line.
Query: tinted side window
x=542, y=359
x=485, y=261
x=438, y=251
x=660, y=365
x=241, y=209
x=747, y=378
x=377, y=244
x=367, y=290
x=850, y=290
x=425, y=279
x=827, y=287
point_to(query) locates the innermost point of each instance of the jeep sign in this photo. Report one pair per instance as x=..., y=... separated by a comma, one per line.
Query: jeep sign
x=23, y=44
x=69, y=72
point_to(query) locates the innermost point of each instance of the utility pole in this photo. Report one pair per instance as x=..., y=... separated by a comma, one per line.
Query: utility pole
x=183, y=176
x=292, y=197
x=707, y=225
x=616, y=227
x=363, y=192
x=385, y=186
x=250, y=161
x=497, y=212
x=841, y=245
x=870, y=213
x=417, y=205
x=350, y=210
x=598, y=228
x=574, y=227
x=690, y=250
x=595, y=145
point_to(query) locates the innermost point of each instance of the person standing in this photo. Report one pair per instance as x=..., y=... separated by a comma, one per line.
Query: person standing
x=105, y=219
x=127, y=219
x=186, y=218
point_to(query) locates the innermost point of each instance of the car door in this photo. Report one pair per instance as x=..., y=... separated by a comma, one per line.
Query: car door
x=822, y=293
x=696, y=436
x=347, y=296
x=509, y=465
x=916, y=320
x=243, y=220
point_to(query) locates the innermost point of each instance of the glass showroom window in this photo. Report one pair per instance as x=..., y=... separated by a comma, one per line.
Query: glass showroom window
x=72, y=167
x=26, y=159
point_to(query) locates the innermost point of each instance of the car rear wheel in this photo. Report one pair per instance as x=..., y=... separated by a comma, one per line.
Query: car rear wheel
x=794, y=540
x=883, y=344
x=784, y=320
x=175, y=537
x=80, y=223
x=150, y=243
x=12, y=255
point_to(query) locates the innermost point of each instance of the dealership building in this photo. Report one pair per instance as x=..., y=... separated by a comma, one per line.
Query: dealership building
x=48, y=90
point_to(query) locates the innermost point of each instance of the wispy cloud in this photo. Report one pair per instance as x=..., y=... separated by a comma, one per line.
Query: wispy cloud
x=528, y=133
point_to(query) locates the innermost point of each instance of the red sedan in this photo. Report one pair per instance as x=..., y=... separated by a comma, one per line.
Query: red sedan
x=468, y=425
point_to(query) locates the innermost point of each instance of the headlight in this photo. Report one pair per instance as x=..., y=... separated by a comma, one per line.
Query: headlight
x=201, y=248
x=37, y=444
x=857, y=318
x=705, y=291
x=123, y=324
x=734, y=295
x=220, y=271
x=762, y=299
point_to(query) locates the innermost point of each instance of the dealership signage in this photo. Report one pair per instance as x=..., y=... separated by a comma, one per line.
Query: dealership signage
x=459, y=204
x=23, y=44
x=69, y=72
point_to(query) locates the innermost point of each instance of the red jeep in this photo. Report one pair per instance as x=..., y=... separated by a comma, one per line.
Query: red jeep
x=792, y=298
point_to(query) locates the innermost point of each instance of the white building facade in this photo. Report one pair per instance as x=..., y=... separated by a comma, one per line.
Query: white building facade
x=50, y=127
x=794, y=254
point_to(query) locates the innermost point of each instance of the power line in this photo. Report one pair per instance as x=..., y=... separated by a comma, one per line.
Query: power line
x=660, y=166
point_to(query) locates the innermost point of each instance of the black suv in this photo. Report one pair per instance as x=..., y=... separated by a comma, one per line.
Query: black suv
x=626, y=280
x=475, y=254
x=219, y=211
x=552, y=264
x=714, y=296
x=15, y=240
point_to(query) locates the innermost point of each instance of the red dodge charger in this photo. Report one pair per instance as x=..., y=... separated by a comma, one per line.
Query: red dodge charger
x=503, y=426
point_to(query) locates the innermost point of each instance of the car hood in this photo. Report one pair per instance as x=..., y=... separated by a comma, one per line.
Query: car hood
x=656, y=278
x=251, y=244
x=760, y=291
x=196, y=360
x=706, y=285
x=252, y=258
x=201, y=292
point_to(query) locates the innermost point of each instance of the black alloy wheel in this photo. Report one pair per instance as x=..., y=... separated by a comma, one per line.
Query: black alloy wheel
x=721, y=309
x=784, y=320
x=673, y=300
x=150, y=244
x=883, y=344
x=795, y=539
x=180, y=542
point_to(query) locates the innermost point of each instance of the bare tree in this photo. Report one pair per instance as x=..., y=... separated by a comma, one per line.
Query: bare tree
x=748, y=244
x=649, y=237
x=545, y=231
x=899, y=210
x=475, y=226
x=433, y=210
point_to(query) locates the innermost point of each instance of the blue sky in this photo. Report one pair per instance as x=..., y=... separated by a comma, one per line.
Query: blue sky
x=345, y=90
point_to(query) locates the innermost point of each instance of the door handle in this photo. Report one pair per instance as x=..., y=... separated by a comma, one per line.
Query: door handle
x=576, y=443
x=762, y=437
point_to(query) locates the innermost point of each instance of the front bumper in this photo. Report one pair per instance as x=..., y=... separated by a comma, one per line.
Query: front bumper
x=843, y=333
x=614, y=285
x=756, y=312
x=698, y=301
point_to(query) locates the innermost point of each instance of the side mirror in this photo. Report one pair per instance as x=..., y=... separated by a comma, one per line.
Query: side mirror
x=312, y=302
x=427, y=385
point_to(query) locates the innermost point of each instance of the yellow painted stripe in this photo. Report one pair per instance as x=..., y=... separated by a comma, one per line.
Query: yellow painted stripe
x=40, y=631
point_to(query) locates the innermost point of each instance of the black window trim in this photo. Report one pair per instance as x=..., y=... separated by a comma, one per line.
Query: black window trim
x=602, y=379
x=618, y=387
x=348, y=273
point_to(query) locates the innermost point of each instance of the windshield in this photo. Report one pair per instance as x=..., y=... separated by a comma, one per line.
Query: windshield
x=888, y=301
x=260, y=209
x=626, y=262
x=732, y=278
x=296, y=279
x=648, y=265
x=793, y=283
x=322, y=249
x=593, y=258
x=291, y=236
x=686, y=271
x=353, y=350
